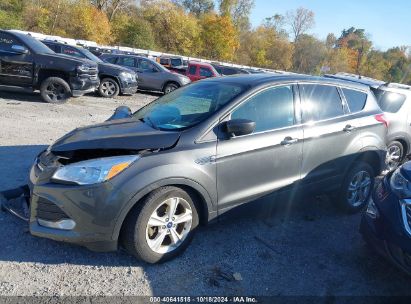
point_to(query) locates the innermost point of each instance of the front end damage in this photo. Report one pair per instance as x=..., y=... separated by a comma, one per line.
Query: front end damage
x=17, y=202
x=84, y=214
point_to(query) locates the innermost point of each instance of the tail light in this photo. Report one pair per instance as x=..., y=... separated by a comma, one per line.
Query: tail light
x=381, y=118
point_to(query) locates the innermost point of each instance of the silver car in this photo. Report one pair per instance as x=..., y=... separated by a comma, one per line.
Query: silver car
x=395, y=101
x=152, y=76
x=147, y=179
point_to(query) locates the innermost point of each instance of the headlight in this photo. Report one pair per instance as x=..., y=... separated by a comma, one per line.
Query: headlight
x=95, y=170
x=400, y=185
x=184, y=80
x=128, y=76
x=84, y=68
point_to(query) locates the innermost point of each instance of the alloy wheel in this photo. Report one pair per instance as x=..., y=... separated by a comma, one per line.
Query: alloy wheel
x=169, y=225
x=56, y=92
x=170, y=88
x=393, y=158
x=108, y=88
x=359, y=188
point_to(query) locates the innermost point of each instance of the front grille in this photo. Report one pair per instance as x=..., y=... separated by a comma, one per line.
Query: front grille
x=406, y=215
x=49, y=211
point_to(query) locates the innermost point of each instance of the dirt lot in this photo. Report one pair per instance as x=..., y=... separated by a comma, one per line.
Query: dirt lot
x=304, y=248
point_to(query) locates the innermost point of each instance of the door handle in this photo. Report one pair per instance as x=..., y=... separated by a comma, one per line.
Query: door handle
x=348, y=128
x=289, y=141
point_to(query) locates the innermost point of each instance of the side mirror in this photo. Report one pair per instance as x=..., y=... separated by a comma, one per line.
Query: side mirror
x=238, y=127
x=120, y=113
x=19, y=49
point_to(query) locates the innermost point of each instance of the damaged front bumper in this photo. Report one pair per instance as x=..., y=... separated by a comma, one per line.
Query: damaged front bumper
x=17, y=202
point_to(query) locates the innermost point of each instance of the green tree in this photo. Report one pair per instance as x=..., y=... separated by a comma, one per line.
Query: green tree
x=11, y=14
x=309, y=52
x=239, y=12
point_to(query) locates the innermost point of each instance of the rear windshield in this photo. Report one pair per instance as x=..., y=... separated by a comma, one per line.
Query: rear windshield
x=388, y=101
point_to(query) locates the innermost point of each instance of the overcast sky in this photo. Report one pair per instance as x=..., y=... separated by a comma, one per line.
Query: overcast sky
x=387, y=22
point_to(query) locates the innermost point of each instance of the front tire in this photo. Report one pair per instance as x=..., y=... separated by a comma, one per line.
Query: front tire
x=161, y=226
x=55, y=90
x=356, y=188
x=108, y=88
x=170, y=87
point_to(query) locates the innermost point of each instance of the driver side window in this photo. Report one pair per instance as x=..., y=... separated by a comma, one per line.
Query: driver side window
x=270, y=109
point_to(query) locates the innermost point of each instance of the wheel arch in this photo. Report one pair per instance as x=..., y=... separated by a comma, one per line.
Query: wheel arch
x=206, y=209
x=371, y=156
x=170, y=82
x=46, y=73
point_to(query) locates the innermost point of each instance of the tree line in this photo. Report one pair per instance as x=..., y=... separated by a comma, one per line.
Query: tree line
x=217, y=30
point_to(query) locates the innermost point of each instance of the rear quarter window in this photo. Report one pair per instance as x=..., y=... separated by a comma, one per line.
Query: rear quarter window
x=110, y=59
x=355, y=99
x=390, y=102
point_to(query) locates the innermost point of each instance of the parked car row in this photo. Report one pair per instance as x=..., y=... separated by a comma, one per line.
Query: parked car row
x=60, y=70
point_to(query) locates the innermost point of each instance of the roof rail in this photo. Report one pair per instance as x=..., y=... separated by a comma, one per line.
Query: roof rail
x=396, y=85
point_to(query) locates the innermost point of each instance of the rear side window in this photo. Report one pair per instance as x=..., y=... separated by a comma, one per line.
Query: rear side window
x=127, y=61
x=110, y=59
x=388, y=101
x=320, y=102
x=355, y=99
x=192, y=70
x=205, y=72
x=270, y=109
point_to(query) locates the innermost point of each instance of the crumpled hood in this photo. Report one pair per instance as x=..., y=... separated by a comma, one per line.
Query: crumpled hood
x=123, y=134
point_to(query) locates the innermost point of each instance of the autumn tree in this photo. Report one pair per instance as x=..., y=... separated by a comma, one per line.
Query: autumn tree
x=11, y=14
x=196, y=7
x=239, y=12
x=300, y=21
x=219, y=37
x=111, y=7
x=309, y=52
x=132, y=30
x=174, y=30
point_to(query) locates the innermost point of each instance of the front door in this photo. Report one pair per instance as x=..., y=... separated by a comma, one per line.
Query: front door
x=269, y=159
x=16, y=62
x=150, y=76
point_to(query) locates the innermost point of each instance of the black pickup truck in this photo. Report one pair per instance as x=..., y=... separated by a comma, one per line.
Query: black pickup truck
x=27, y=64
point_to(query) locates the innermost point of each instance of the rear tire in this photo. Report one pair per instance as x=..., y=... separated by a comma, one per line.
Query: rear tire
x=108, y=88
x=149, y=231
x=55, y=90
x=357, y=187
x=395, y=155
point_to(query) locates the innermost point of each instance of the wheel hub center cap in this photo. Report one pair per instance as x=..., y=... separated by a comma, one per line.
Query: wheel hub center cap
x=169, y=225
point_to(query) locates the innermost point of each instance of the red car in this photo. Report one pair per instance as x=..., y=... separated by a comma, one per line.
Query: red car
x=200, y=70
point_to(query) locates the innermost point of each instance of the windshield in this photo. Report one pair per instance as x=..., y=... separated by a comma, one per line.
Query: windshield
x=176, y=62
x=91, y=56
x=36, y=46
x=188, y=105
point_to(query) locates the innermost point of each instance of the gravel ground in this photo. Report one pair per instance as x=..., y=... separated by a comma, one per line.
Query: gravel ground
x=275, y=248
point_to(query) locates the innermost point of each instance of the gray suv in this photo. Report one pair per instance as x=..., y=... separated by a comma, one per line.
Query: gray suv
x=395, y=101
x=152, y=76
x=147, y=179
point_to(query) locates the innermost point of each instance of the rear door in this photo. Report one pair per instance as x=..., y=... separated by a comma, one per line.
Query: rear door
x=253, y=165
x=329, y=134
x=16, y=69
